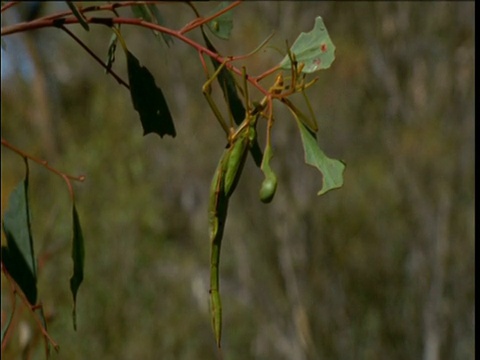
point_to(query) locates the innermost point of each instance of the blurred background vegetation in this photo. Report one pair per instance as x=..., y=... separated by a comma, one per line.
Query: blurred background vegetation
x=380, y=269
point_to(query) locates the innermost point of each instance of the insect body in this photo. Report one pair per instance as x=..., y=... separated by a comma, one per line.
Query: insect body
x=217, y=213
x=222, y=187
x=236, y=161
x=241, y=140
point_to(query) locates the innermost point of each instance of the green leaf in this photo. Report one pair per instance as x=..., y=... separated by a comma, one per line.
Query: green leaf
x=159, y=20
x=112, y=47
x=314, y=49
x=222, y=25
x=18, y=256
x=150, y=13
x=78, y=256
x=148, y=99
x=78, y=14
x=299, y=115
x=331, y=169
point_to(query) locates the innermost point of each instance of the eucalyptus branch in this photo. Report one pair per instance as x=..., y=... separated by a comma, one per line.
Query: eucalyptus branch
x=311, y=52
x=44, y=163
x=109, y=21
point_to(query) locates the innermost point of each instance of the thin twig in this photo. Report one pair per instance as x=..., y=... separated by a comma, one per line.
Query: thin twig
x=9, y=5
x=31, y=307
x=92, y=54
x=21, y=27
x=200, y=21
x=44, y=163
x=7, y=335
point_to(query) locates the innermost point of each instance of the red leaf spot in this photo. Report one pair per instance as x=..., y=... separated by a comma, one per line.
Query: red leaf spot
x=317, y=62
x=323, y=47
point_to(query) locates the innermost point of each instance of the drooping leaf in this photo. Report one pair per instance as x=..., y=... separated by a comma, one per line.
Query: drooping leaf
x=159, y=20
x=314, y=49
x=235, y=105
x=148, y=99
x=309, y=122
x=222, y=25
x=112, y=47
x=78, y=14
x=331, y=169
x=18, y=256
x=150, y=13
x=78, y=256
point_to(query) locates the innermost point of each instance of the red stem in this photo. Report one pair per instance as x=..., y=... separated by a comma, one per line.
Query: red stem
x=200, y=21
x=32, y=308
x=9, y=5
x=44, y=163
x=59, y=22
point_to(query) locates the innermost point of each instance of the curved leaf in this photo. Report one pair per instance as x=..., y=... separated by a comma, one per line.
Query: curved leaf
x=150, y=13
x=18, y=256
x=148, y=99
x=78, y=14
x=314, y=49
x=112, y=48
x=331, y=169
x=78, y=256
x=222, y=25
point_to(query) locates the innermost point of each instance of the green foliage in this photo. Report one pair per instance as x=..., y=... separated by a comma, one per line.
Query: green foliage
x=78, y=257
x=112, y=48
x=357, y=272
x=222, y=25
x=18, y=256
x=314, y=49
x=151, y=14
x=228, y=85
x=235, y=105
x=78, y=14
x=331, y=169
x=148, y=100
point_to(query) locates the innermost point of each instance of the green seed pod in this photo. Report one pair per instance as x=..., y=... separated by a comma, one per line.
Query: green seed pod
x=268, y=188
x=236, y=160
